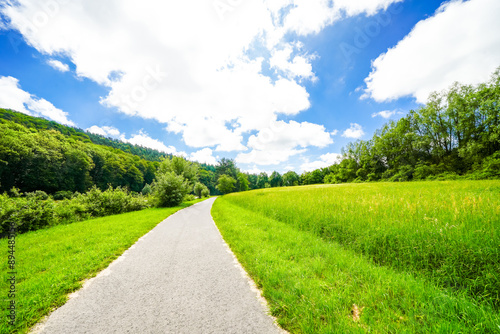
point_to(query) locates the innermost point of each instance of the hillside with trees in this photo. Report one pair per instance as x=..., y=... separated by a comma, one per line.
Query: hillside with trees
x=455, y=135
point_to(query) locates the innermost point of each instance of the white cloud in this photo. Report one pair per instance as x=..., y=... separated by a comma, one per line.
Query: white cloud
x=144, y=140
x=370, y=7
x=106, y=131
x=298, y=67
x=325, y=160
x=141, y=139
x=334, y=132
x=387, y=113
x=184, y=63
x=283, y=140
x=459, y=43
x=355, y=131
x=58, y=65
x=13, y=97
x=204, y=156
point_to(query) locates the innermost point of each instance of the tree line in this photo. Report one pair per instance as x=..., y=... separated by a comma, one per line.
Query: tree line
x=455, y=135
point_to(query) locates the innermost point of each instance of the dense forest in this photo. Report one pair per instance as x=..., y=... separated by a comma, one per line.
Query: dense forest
x=455, y=135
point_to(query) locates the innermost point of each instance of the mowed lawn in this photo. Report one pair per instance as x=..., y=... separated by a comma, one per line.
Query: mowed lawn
x=418, y=257
x=51, y=263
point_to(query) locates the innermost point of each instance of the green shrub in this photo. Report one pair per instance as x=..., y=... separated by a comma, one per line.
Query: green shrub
x=170, y=189
x=146, y=190
x=205, y=192
x=110, y=202
x=15, y=192
x=60, y=195
x=38, y=194
x=69, y=211
x=26, y=214
x=189, y=197
x=37, y=210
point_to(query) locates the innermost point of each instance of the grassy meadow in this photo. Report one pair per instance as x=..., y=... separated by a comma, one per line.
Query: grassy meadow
x=415, y=257
x=53, y=262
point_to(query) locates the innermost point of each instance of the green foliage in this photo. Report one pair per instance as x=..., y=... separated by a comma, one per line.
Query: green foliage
x=147, y=190
x=170, y=189
x=37, y=210
x=262, y=179
x=62, y=195
x=290, y=179
x=43, y=159
x=189, y=197
x=199, y=190
x=226, y=184
x=26, y=213
x=242, y=182
x=455, y=135
x=112, y=201
x=276, y=180
x=80, y=135
x=205, y=192
x=181, y=167
x=37, y=195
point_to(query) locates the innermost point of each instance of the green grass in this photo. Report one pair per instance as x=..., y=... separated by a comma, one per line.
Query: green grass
x=51, y=263
x=420, y=257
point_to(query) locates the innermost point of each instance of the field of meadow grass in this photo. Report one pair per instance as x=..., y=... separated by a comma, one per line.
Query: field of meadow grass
x=412, y=257
x=53, y=262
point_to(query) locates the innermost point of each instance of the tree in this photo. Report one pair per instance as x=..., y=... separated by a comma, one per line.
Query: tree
x=225, y=184
x=170, y=189
x=242, y=182
x=199, y=188
x=181, y=167
x=227, y=167
x=275, y=180
x=205, y=192
x=290, y=178
x=262, y=179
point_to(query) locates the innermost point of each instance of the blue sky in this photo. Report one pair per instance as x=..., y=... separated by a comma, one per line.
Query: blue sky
x=275, y=84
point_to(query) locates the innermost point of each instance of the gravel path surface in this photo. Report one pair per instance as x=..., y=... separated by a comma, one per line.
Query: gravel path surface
x=178, y=278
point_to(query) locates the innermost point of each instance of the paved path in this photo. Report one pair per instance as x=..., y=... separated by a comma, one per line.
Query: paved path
x=179, y=278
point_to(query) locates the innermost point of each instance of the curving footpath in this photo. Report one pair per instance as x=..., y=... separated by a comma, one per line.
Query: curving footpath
x=178, y=278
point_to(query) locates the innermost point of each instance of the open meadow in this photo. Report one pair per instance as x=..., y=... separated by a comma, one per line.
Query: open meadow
x=416, y=257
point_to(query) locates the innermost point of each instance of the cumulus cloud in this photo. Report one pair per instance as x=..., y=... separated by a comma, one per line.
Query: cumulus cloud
x=282, y=140
x=141, y=139
x=144, y=140
x=355, y=131
x=13, y=97
x=197, y=81
x=204, y=156
x=106, y=131
x=387, y=113
x=325, y=160
x=459, y=43
x=58, y=65
x=298, y=67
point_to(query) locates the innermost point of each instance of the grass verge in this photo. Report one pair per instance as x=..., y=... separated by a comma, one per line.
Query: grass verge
x=312, y=283
x=51, y=263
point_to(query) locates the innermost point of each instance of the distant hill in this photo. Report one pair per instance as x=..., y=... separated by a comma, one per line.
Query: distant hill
x=82, y=135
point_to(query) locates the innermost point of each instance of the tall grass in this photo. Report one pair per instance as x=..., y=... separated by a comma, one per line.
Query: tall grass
x=448, y=232
x=316, y=286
